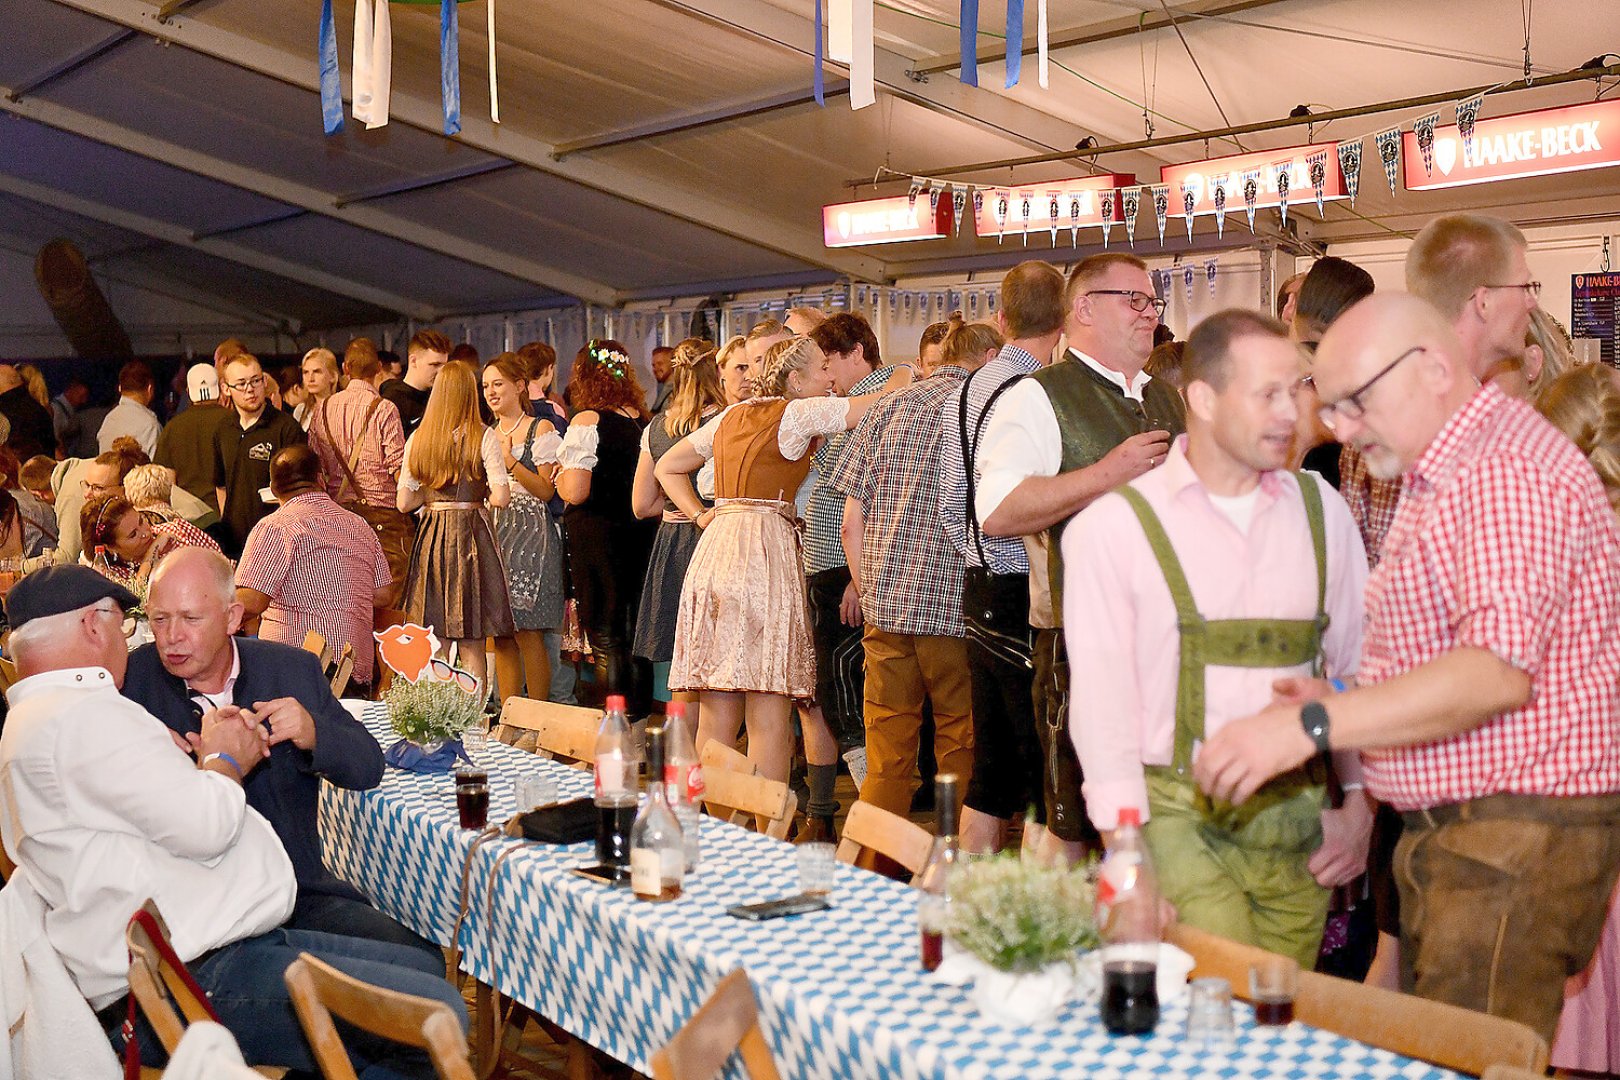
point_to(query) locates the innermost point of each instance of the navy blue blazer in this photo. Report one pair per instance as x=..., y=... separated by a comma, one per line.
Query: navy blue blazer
x=285, y=787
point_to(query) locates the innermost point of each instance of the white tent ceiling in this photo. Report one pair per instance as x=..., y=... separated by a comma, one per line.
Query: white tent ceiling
x=665, y=147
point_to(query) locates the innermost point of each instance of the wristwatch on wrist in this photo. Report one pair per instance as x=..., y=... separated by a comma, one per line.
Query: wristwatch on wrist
x=1314, y=719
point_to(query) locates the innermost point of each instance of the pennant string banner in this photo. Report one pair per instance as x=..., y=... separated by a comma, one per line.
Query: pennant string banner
x=1424, y=127
x=1015, y=41
x=1350, y=165
x=449, y=65
x=862, y=91
x=331, y=81
x=969, y=41
x=1389, y=153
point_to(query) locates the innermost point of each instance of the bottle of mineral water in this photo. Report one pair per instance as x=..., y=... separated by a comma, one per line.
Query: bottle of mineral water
x=683, y=778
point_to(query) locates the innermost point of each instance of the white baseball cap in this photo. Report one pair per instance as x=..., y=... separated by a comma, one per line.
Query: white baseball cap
x=202, y=383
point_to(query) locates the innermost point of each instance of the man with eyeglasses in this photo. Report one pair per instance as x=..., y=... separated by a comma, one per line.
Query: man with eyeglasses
x=1063, y=436
x=242, y=451
x=1487, y=705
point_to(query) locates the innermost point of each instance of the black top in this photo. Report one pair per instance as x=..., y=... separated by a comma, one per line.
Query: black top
x=186, y=445
x=618, y=449
x=32, y=429
x=285, y=787
x=410, y=402
x=1324, y=461
x=242, y=467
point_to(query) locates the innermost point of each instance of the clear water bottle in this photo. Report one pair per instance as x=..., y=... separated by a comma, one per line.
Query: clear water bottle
x=683, y=777
x=934, y=883
x=1128, y=917
x=657, y=857
x=615, y=786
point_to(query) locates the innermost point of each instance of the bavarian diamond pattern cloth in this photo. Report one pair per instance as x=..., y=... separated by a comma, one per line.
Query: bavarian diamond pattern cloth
x=840, y=991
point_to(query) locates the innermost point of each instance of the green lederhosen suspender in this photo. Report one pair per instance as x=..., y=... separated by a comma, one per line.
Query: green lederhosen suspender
x=1258, y=643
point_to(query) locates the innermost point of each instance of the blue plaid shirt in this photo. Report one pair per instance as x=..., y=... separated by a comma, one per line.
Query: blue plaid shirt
x=824, y=513
x=1005, y=554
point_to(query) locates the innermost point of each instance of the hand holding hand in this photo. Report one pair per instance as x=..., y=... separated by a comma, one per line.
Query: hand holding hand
x=288, y=721
x=234, y=732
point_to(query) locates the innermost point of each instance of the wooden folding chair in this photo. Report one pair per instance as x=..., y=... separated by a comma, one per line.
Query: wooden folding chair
x=550, y=730
x=1509, y=1072
x=735, y=795
x=872, y=828
x=163, y=989
x=727, y=1023
x=1446, y=1035
x=344, y=670
x=315, y=642
x=320, y=991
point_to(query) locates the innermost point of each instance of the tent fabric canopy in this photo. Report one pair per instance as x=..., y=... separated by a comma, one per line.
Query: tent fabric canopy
x=671, y=147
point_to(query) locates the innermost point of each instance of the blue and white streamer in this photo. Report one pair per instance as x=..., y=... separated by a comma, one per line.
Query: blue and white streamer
x=969, y=42
x=1015, y=41
x=450, y=66
x=331, y=81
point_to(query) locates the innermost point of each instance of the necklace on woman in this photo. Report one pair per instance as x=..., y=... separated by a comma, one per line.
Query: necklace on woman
x=507, y=431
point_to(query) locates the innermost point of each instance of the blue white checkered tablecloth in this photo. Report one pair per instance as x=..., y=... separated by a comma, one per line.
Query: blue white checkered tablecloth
x=841, y=995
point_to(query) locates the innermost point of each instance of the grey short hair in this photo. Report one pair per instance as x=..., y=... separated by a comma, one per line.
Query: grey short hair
x=149, y=485
x=44, y=633
x=222, y=573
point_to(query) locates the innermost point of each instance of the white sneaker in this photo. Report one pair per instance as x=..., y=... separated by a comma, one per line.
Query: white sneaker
x=856, y=760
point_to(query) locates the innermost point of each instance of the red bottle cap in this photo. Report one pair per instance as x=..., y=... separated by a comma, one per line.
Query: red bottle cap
x=615, y=703
x=1130, y=815
x=675, y=708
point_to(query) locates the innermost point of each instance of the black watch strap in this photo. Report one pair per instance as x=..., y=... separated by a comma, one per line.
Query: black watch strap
x=1314, y=719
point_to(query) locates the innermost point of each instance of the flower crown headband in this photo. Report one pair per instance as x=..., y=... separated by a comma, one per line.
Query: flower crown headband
x=617, y=363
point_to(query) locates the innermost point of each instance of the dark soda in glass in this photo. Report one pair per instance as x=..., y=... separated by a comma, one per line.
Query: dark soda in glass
x=1130, y=997
x=1273, y=1010
x=472, y=797
x=933, y=949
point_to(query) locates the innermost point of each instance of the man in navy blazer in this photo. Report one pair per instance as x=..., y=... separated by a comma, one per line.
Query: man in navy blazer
x=194, y=664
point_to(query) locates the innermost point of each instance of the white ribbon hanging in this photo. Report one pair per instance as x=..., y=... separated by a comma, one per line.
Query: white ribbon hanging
x=862, y=91
x=1040, y=42
x=373, y=62
x=494, y=90
x=840, y=30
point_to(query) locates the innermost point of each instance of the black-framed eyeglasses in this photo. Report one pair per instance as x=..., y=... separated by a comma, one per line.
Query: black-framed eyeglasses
x=1351, y=407
x=251, y=383
x=1139, y=301
x=1534, y=287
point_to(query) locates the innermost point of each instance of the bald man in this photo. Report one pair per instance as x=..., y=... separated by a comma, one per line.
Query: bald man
x=1487, y=706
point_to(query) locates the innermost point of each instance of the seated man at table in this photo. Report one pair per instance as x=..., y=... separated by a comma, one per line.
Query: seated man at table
x=102, y=813
x=194, y=665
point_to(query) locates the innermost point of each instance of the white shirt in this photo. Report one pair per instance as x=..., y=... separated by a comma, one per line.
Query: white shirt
x=805, y=420
x=130, y=417
x=1021, y=438
x=104, y=811
x=223, y=696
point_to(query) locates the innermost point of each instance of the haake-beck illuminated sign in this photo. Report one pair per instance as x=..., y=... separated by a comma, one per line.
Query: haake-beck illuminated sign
x=1514, y=147
x=884, y=221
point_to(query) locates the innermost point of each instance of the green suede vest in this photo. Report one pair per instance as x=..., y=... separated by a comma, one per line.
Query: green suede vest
x=1254, y=643
x=1094, y=416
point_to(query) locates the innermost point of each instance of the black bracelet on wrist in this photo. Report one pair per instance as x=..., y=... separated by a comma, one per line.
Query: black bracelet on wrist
x=1313, y=717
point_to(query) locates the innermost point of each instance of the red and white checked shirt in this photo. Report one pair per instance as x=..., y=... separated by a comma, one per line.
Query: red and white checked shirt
x=382, y=444
x=319, y=564
x=1503, y=541
x=1372, y=501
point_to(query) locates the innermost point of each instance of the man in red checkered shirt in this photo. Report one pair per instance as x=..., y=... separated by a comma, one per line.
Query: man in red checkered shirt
x=1488, y=710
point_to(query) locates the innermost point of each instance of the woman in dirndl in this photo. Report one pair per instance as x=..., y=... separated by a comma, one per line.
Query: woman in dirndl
x=457, y=583
x=742, y=637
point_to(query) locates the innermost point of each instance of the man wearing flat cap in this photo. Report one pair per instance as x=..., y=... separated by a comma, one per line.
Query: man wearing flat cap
x=102, y=812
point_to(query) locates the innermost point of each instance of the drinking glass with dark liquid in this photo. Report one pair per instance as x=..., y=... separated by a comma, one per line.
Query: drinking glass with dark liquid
x=1130, y=996
x=472, y=797
x=1272, y=985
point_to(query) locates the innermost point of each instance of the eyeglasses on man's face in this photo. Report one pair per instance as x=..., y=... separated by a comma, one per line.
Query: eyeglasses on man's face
x=252, y=382
x=1351, y=406
x=1139, y=301
x=1532, y=287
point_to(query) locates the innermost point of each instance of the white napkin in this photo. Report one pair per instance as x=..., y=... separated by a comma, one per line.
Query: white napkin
x=1170, y=981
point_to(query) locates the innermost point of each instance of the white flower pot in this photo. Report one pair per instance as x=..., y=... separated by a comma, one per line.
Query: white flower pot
x=1024, y=998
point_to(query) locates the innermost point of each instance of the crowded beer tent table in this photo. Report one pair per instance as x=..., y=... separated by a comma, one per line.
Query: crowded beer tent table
x=841, y=993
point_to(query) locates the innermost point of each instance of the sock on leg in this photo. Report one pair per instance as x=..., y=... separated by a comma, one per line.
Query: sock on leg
x=821, y=780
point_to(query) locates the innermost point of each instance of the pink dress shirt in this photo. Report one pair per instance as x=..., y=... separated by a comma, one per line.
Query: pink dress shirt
x=1120, y=622
x=382, y=446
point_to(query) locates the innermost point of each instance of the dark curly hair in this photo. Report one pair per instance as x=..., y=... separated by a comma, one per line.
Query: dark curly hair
x=604, y=379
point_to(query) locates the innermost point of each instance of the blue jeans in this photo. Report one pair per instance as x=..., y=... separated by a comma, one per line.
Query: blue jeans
x=563, y=676
x=329, y=914
x=244, y=982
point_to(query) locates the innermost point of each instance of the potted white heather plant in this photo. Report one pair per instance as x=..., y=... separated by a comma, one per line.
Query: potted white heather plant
x=431, y=713
x=1026, y=924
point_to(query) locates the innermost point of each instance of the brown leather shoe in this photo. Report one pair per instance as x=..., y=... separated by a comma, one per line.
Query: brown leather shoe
x=817, y=828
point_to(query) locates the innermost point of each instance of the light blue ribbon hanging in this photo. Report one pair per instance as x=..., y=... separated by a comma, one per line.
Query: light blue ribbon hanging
x=969, y=42
x=331, y=82
x=450, y=66
x=1015, y=41
x=821, y=89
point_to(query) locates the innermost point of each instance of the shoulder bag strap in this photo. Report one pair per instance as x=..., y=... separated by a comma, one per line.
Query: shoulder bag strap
x=970, y=449
x=348, y=481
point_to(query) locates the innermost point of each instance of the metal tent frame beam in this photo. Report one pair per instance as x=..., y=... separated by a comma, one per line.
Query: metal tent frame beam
x=302, y=196
x=224, y=249
x=691, y=121
x=505, y=140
